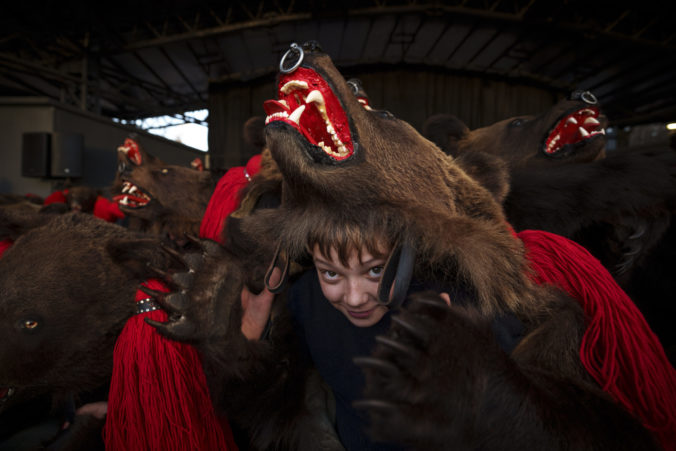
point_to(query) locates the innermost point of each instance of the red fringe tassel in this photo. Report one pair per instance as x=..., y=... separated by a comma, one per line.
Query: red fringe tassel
x=225, y=198
x=159, y=398
x=618, y=349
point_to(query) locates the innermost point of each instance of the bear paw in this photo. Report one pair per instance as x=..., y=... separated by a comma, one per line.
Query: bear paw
x=423, y=379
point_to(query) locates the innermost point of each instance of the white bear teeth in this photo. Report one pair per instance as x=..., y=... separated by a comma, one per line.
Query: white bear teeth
x=336, y=148
x=586, y=130
x=132, y=190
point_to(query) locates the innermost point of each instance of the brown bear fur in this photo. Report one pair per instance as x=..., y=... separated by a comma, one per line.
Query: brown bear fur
x=65, y=294
x=399, y=185
x=617, y=204
x=455, y=389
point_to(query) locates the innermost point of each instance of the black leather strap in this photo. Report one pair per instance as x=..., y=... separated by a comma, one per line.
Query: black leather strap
x=279, y=260
x=397, y=273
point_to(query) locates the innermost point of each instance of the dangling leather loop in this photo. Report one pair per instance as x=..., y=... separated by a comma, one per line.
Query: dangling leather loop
x=278, y=261
x=397, y=273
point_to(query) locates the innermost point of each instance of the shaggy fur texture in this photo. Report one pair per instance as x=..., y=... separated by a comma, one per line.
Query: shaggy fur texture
x=442, y=382
x=619, y=205
x=64, y=298
x=272, y=399
x=462, y=391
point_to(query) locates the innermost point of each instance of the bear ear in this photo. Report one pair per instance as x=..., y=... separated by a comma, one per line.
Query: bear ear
x=140, y=256
x=14, y=222
x=445, y=130
x=491, y=171
x=253, y=132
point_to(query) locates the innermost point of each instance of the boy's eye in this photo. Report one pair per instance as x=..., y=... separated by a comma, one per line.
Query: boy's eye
x=376, y=271
x=328, y=275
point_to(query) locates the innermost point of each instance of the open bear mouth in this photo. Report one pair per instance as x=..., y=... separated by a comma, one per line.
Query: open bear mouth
x=6, y=393
x=574, y=128
x=307, y=103
x=132, y=196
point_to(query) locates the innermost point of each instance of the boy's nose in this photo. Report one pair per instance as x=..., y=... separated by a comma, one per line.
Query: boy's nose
x=354, y=294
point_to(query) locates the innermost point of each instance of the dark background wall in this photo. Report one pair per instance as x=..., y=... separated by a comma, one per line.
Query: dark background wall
x=411, y=95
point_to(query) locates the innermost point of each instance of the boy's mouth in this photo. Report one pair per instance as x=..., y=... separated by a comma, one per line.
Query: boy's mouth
x=307, y=103
x=361, y=314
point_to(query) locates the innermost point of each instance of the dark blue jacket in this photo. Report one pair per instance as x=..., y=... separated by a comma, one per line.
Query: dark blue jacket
x=333, y=341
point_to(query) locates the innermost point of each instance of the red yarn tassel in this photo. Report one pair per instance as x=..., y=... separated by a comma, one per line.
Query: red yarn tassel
x=107, y=210
x=225, y=198
x=57, y=197
x=158, y=394
x=618, y=349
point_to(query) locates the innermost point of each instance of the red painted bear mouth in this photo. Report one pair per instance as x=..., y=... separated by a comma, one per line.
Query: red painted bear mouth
x=132, y=196
x=307, y=103
x=576, y=127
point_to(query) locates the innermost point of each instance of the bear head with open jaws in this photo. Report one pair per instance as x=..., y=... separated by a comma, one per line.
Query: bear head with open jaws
x=346, y=165
x=438, y=379
x=571, y=131
x=164, y=199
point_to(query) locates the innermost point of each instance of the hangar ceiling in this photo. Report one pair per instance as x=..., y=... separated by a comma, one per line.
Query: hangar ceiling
x=137, y=59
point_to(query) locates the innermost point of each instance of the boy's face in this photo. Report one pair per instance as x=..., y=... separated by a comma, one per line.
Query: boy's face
x=352, y=289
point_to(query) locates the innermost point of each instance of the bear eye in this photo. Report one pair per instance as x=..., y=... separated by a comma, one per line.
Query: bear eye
x=30, y=324
x=517, y=122
x=384, y=114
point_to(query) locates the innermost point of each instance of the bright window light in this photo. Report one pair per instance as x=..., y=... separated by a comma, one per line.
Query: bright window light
x=177, y=129
x=671, y=126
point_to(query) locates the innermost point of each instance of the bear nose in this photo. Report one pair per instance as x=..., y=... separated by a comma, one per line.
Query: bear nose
x=312, y=46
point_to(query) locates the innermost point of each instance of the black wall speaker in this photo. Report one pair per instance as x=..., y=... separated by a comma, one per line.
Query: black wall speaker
x=35, y=153
x=54, y=154
x=66, y=157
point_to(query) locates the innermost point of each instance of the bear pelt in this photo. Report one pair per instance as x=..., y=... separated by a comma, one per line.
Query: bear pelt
x=164, y=199
x=447, y=385
x=270, y=395
x=572, y=130
x=66, y=291
x=617, y=204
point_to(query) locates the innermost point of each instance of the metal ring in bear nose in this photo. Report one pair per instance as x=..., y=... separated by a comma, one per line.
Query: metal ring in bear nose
x=295, y=49
x=354, y=86
x=588, y=97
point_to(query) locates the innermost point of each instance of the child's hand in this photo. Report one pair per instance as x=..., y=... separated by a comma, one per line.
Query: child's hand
x=256, y=308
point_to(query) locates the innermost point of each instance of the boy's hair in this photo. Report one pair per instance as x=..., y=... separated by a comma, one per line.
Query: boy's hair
x=345, y=238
